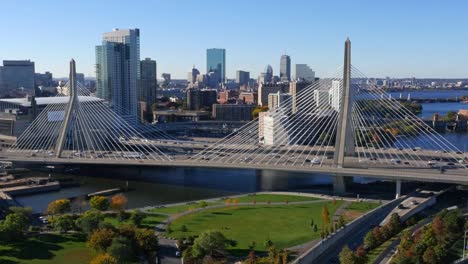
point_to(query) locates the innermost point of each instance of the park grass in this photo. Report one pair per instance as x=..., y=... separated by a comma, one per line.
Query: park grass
x=362, y=206
x=285, y=225
x=169, y=210
x=274, y=198
x=150, y=220
x=47, y=248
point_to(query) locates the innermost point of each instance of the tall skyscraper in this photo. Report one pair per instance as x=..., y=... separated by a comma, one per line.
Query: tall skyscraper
x=16, y=74
x=304, y=73
x=216, y=62
x=242, y=77
x=148, y=86
x=285, y=68
x=118, y=70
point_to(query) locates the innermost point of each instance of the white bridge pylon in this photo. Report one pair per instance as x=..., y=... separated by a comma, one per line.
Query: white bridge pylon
x=300, y=133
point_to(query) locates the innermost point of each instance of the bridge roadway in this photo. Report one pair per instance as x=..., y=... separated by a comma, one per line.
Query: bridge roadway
x=352, y=167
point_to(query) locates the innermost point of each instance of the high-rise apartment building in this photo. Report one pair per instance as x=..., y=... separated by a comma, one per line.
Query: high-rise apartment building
x=285, y=68
x=148, y=86
x=16, y=74
x=216, y=62
x=304, y=73
x=118, y=70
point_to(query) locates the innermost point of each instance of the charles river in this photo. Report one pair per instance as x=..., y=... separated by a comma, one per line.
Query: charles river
x=157, y=186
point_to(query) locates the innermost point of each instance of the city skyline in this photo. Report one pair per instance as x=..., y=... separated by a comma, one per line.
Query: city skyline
x=388, y=40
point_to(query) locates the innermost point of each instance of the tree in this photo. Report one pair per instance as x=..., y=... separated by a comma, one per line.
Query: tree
x=334, y=202
x=315, y=228
x=118, y=202
x=377, y=235
x=13, y=227
x=64, y=223
x=24, y=212
x=395, y=223
x=438, y=228
x=208, y=243
x=258, y=110
x=60, y=206
x=100, y=203
x=147, y=241
x=341, y=221
x=101, y=239
x=228, y=201
x=450, y=116
x=370, y=241
x=360, y=256
x=346, y=256
x=103, y=259
x=137, y=217
x=121, y=249
x=183, y=228
x=325, y=215
x=89, y=221
x=429, y=256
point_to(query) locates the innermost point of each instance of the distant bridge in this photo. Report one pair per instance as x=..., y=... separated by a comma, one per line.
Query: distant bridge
x=343, y=125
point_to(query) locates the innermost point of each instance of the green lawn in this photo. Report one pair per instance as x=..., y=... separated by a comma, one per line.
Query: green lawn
x=150, y=220
x=274, y=198
x=47, y=248
x=362, y=206
x=179, y=208
x=285, y=225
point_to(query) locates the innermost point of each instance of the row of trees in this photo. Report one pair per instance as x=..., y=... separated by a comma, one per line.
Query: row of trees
x=430, y=244
x=117, y=203
x=275, y=255
x=373, y=239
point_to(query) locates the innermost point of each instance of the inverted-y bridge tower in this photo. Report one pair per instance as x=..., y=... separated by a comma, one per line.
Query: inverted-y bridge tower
x=344, y=144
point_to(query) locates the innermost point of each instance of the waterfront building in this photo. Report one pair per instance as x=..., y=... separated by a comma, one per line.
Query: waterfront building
x=273, y=132
x=304, y=72
x=285, y=68
x=118, y=70
x=227, y=95
x=17, y=74
x=242, y=77
x=233, y=112
x=216, y=62
x=148, y=86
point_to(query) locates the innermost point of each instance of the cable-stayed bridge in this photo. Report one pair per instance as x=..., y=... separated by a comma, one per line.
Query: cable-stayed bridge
x=343, y=125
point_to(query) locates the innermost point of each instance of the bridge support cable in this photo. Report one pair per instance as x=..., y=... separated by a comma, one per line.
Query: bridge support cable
x=305, y=123
x=420, y=135
x=253, y=137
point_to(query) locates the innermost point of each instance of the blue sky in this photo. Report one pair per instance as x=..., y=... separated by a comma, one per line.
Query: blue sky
x=397, y=38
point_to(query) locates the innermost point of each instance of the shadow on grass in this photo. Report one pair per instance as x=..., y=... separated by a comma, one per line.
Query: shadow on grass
x=39, y=247
x=221, y=213
x=242, y=252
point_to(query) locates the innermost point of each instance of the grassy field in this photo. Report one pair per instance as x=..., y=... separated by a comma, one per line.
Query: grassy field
x=285, y=225
x=180, y=208
x=362, y=206
x=47, y=248
x=150, y=220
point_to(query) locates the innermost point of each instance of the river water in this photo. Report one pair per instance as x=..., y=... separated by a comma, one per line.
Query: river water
x=157, y=186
